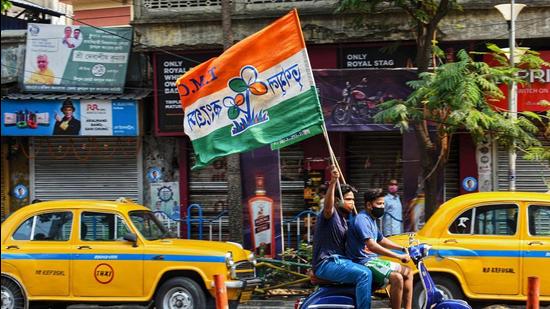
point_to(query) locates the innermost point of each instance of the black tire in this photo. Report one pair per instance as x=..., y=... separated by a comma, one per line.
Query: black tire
x=180, y=292
x=449, y=287
x=341, y=114
x=12, y=295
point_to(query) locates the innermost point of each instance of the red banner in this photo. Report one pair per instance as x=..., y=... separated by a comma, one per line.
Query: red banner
x=530, y=94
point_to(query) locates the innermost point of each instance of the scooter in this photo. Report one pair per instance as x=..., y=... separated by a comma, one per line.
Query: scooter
x=343, y=296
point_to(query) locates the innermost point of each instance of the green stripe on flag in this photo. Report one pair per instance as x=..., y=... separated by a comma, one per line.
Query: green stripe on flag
x=286, y=118
x=297, y=137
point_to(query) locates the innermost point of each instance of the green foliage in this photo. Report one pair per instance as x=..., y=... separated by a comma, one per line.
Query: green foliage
x=6, y=5
x=456, y=96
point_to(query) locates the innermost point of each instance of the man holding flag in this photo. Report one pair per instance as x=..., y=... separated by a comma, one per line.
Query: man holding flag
x=261, y=91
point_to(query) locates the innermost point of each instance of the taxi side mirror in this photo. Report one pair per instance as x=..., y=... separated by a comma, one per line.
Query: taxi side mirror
x=131, y=237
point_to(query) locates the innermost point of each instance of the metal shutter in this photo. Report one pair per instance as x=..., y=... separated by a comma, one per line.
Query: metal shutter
x=292, y=180
x=452, y=176
x=103, y=168
x=530, y=175
x=372, y=160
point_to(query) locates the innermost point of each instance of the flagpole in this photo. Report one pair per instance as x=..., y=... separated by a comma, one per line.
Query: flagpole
x=335, y=163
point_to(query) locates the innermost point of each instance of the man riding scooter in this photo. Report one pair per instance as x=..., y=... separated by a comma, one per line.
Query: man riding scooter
x=329, y=260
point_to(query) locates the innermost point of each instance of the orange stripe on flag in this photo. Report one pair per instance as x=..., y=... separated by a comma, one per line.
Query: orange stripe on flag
x=264, y=49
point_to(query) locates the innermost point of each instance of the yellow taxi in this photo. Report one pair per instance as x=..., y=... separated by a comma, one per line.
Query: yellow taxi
x=486, y=245
x=88, y=251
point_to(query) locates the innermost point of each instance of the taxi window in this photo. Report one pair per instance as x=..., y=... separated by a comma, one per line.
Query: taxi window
x=496, y=220
x=539, y=220
x=462, y=224
x=55, y=226
x=96, y=226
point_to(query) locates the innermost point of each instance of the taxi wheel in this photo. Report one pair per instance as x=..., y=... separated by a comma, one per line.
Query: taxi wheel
x=447, y=286
x=181, y=293
x=12, y=296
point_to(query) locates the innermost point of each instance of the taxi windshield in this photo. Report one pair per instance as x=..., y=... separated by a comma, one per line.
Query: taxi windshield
x=148, y=225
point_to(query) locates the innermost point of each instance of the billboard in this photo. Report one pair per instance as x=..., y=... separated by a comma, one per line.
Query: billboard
x=76, y=59
x=350, y=98
x=69, y=117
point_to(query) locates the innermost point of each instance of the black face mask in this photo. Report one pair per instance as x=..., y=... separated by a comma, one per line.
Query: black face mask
x=377, y=212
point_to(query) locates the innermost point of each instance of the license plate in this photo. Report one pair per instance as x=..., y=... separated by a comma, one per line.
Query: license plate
x=246, y=296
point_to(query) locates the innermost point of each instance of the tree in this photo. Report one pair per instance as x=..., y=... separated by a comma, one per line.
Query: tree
x=425, y=16
x=427, y=107
x=234, y=189
x=6, y=5
x=456, y=97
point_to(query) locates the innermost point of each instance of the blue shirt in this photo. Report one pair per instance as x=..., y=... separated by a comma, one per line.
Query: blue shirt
x=362, y=227
x=329, y=237
x=393, y=215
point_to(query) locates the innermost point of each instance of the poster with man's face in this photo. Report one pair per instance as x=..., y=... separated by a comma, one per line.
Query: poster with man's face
x=76, y=59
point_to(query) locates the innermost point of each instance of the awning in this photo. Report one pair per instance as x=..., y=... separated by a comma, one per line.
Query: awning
x=31, y=6
x=134, y=94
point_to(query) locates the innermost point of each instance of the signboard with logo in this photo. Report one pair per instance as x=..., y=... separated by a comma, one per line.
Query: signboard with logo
x=168, y=111
x=165, y=197
x=69, y=117
x=76, y=59
x=531, y=95
x=376, y=57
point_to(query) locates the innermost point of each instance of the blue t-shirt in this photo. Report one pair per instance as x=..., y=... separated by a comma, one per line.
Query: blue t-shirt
x=362, y=227
x=329, y=237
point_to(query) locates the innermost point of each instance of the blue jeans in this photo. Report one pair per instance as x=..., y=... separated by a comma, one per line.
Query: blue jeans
x=341, y=269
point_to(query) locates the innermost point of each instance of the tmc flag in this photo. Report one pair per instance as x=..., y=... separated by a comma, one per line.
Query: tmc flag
x=260, y=91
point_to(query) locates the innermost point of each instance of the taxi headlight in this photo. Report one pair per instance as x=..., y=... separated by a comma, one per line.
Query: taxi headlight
x=229, y=260
x=252, y=258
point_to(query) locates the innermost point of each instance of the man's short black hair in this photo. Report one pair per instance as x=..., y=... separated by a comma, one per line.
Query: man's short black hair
x=373, y=194
x=347, y=188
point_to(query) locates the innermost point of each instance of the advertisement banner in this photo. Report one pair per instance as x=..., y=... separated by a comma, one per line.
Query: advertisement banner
x=531, y=95
x=165, y=197
x=76, y=59
x=168, y=68
x=69, y=117
x=350, y=98
x=262, y=200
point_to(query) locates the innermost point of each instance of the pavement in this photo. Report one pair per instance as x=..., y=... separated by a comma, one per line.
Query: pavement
x=288, y=303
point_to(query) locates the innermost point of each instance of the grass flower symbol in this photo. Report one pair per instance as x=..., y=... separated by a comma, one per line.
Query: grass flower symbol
x=244, y=85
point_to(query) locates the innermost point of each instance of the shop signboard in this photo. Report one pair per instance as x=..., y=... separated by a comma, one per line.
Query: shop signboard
x=69, y=117
x=350, y=98
x=376, y=57
x=168, y=111
x=76, y=59
x=534, y=95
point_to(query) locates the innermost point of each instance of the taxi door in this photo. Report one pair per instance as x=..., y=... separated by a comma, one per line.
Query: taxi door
x=104, y=264
x=38, y=250
x=535, y=245
x=483, y=242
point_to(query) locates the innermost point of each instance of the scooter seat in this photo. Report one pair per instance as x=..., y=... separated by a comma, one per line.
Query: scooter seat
x=322, y=282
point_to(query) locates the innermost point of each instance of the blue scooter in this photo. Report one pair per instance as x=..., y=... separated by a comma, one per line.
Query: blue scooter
x=343, y=296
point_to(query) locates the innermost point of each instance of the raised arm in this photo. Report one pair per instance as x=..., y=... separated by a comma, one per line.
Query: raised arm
x=328, y=208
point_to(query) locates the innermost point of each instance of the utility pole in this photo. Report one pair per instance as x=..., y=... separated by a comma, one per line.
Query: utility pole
x=234, y=189
x=510, y=12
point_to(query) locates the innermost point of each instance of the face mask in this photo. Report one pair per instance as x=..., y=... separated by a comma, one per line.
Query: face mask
x=392, y=188
x=377, y=212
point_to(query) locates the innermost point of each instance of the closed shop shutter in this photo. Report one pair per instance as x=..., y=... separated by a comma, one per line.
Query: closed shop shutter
x=104, y=168
x=452, y=172
x=530, y=175
x=292, y=180
x=373, y=158
x=208, y=186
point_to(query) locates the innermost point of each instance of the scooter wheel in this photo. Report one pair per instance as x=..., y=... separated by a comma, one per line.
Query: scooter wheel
x=448, y=286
